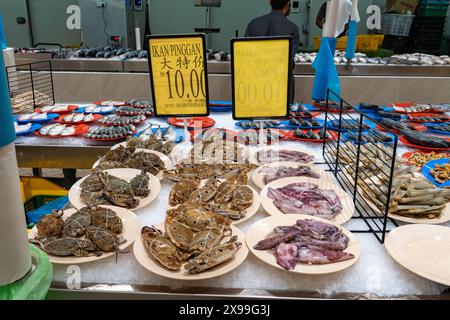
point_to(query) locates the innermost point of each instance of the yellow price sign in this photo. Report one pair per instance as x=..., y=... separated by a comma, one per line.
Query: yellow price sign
x=178, y=75
x=260, y=71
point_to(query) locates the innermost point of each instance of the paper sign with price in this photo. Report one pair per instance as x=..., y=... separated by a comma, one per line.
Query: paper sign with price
x=260, y=71
x=178, y=75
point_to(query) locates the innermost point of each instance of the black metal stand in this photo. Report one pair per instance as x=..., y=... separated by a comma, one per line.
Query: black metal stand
x=348, y=158
x=31, y=84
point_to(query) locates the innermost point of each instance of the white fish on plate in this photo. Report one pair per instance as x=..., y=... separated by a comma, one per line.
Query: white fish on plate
x=39, y=116
x=60, y=108
x=88, y=117
x=47, y=108
x=22, y=128
x=57, y=130
x=45, y=130
x=69, y=118
x=25, y=117
x=78, y=117
x=67, y=131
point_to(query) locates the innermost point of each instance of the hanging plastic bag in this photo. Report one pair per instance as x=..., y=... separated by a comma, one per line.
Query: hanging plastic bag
x=35, y=285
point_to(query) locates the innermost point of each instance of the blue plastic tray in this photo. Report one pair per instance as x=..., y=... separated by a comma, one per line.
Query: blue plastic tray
x=427, y=167
x=34, y=127
x=50, y=116
x=217, y=103
x=81, y=110
x=428, y=125
x=180, y=134
x=308, y=107
x=330, y=125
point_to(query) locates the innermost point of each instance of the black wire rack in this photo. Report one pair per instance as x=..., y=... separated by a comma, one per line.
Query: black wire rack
x=362, y=158
x=30, y=85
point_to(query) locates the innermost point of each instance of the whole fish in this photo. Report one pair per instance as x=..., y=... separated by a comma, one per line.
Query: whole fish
x=425, y=140
x=57, y=130
x=45, y=130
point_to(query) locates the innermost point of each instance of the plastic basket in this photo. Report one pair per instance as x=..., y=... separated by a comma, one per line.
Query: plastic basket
x=31, y=187
x=396, y=24
x=38, y=201
x=369, y=42
x=340, y=45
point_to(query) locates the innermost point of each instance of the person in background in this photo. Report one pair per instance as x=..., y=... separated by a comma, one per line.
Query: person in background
x=276, y=23
x=321, y=16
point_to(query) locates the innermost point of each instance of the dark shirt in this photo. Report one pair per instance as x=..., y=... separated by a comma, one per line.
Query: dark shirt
x=274, y=24
x=322, y=16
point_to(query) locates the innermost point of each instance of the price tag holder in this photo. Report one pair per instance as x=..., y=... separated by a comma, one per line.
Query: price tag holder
x=178, y=75
x=260, y=71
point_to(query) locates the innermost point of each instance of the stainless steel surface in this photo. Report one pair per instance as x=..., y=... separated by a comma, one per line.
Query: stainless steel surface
x=92, y=86
x=134, y=292
x=58, y=157
x=217, y=67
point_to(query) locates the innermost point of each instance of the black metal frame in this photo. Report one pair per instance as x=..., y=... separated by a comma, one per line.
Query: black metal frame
x=205, y=66
x=28, y=79
x=290, y=79
x=333, y=151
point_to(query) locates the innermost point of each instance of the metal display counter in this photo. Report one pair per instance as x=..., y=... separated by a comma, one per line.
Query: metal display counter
x=375, y=275
x=215, y=67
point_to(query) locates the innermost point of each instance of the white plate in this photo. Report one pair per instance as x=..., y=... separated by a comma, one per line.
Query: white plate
x=249, y=212
x=422, y=249
x=348, y=207
x=125, y=174
x=167, y=162
x=258, y=178
x=263, y=228
x=155, y=267
x=131, y=229
x=254, y=160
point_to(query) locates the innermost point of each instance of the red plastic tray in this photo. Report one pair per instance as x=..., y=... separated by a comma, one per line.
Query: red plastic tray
x=61, y=120
x=407, y=155
x=112, y=139
x=206, y=122
x=79, y=129
x=409, y=144
x=120, y=104
x=290, y=135
x=419, y=127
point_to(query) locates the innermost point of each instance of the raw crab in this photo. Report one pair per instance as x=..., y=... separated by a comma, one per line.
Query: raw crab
x=119, y=154
x=208, y=171
x=66, y=246
x=106, y=218
x=140, y=184
x=75, y=225
x=92, y=183
x=93, y=198
x=196, y=230
x=118, y=191
x=51, y=225
x=214, y=256
x=104, y=239
x=161, y=248
x=182, y=191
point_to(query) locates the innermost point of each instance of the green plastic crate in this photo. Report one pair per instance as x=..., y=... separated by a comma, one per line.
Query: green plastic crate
x=432, y=11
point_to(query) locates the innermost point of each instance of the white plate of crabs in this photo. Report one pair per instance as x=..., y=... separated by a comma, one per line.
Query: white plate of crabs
x=130, y=229
x=165, y=159
x=154, y=188
x=232, y=252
